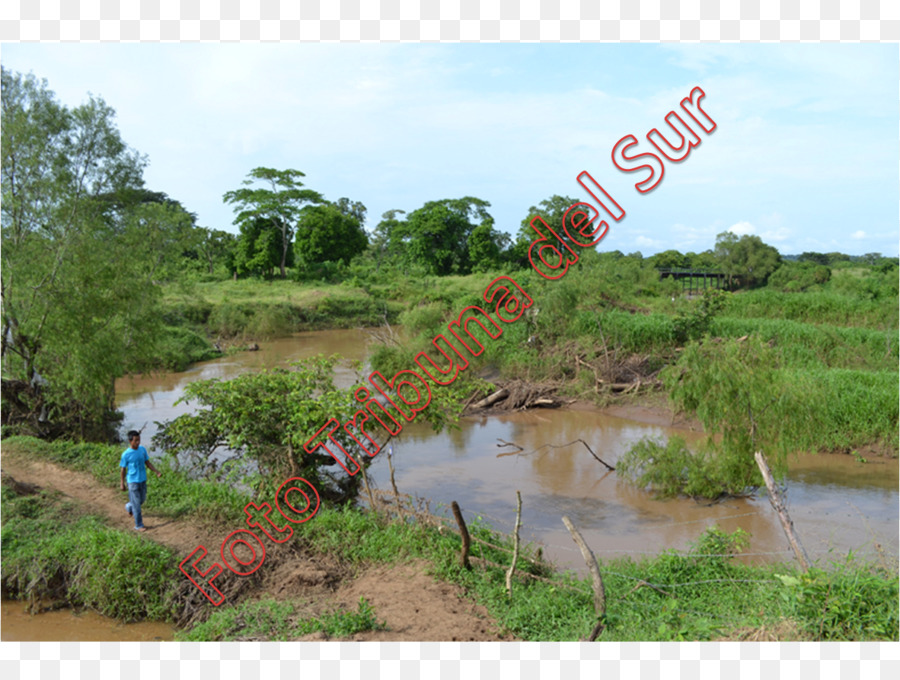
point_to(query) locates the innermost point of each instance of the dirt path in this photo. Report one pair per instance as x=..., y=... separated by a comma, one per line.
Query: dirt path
x=413, y=604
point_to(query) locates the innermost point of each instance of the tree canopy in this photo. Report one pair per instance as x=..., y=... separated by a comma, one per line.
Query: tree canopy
x=437, y=235
x=276, y=205
x=82, y=244
x=331, y=232
x=746, y=257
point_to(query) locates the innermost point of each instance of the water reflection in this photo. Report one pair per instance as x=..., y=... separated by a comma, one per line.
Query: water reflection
x=837, y=503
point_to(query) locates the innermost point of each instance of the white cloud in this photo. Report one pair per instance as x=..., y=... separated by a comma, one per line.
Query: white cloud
x=742, y=229
x=858, y=234
x=645, y=242
x=780, y=234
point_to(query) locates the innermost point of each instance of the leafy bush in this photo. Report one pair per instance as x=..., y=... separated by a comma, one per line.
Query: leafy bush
x=671, y=469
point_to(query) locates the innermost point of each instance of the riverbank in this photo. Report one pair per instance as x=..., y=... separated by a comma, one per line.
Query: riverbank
x=315, y=584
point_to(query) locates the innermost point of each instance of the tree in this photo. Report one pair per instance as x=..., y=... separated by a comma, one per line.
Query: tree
x=746, y=257
x=437, y=234
x=330, y=232
x=552, y=210
x=258, y=249
x=279, y=204
x=78, y=300
x=670, y=259
x=486, y=246
x=216, y=246
x=267, y=417
x=385, y=244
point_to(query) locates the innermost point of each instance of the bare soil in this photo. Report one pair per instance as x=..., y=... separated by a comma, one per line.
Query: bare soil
x=412, y=603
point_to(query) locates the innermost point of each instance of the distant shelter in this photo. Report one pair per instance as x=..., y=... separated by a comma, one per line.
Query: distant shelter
x=695, y=280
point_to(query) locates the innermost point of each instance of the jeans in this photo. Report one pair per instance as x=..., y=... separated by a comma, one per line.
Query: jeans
x=137, y=494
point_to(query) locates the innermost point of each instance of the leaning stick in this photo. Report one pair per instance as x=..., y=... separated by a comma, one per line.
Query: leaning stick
x=512, y=567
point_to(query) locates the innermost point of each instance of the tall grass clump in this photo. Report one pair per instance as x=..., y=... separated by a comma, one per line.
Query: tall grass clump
x=48, y=552
x=825, y=307
x=849, y=408
x=631, y=332
x=806, y=345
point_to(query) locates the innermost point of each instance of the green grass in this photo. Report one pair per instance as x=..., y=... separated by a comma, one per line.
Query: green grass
x=49, y=552
x=271, y=620
x=175, y=494
x=853, y=408
x=806, y=345
x=708, y=594
x=825, y=307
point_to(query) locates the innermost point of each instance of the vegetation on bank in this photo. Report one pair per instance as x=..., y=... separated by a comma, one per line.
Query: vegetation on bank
x=52, y=552
x=275, y=621
x=701, y=594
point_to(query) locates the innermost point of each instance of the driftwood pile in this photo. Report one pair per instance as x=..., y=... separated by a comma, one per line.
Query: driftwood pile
x=519, y=395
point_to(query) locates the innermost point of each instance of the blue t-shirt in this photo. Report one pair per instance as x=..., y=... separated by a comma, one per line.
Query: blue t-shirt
x=134, y=460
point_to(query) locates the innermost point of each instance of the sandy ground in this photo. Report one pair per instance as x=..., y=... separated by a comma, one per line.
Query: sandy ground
x=413, y=604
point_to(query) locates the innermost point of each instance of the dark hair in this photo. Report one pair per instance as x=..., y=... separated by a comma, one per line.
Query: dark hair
x=132, y=434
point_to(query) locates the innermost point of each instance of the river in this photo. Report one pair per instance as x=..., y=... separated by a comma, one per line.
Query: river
x=837, y=504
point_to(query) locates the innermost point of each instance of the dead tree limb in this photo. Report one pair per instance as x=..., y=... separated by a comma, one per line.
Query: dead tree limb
x=492, y=399
x=512, y=567
x=778, y=505
x=594, y=568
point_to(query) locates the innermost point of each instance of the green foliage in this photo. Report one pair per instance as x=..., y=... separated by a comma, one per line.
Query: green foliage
x=437, y=235
x=735, y=390
x=849, y=602
x=799, y=276
x=326, y=234
x=829, y=307
x=673, y=470
x=259, y=249
x=552, y=211
x=267, y=217
x=48, y=552
x=805, y=345
x=851, y=408
x=747, y=258
x=267, y=417
x=82, y=247
x=696, y=321
x=271, y=620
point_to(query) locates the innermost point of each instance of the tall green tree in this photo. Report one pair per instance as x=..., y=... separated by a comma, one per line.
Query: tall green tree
x=330, y=232
x=279, y=202
x=258, y=250
x=78, y=300
x=747, y=258
x=436, y=235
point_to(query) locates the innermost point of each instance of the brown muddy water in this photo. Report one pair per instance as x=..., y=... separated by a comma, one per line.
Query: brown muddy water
x=64, y=624
x=837, y=504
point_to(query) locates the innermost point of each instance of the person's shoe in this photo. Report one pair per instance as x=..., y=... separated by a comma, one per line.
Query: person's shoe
x=140, y=529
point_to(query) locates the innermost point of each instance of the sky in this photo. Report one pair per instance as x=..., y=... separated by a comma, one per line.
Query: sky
x=805, y=152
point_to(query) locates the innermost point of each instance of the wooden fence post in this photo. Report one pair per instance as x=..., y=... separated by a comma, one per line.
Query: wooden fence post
x=778, y=504
x=464, y=532
x=594, y=568
x=512, y=567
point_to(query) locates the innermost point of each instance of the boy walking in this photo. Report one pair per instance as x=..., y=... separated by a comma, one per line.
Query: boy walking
x=133, y=463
